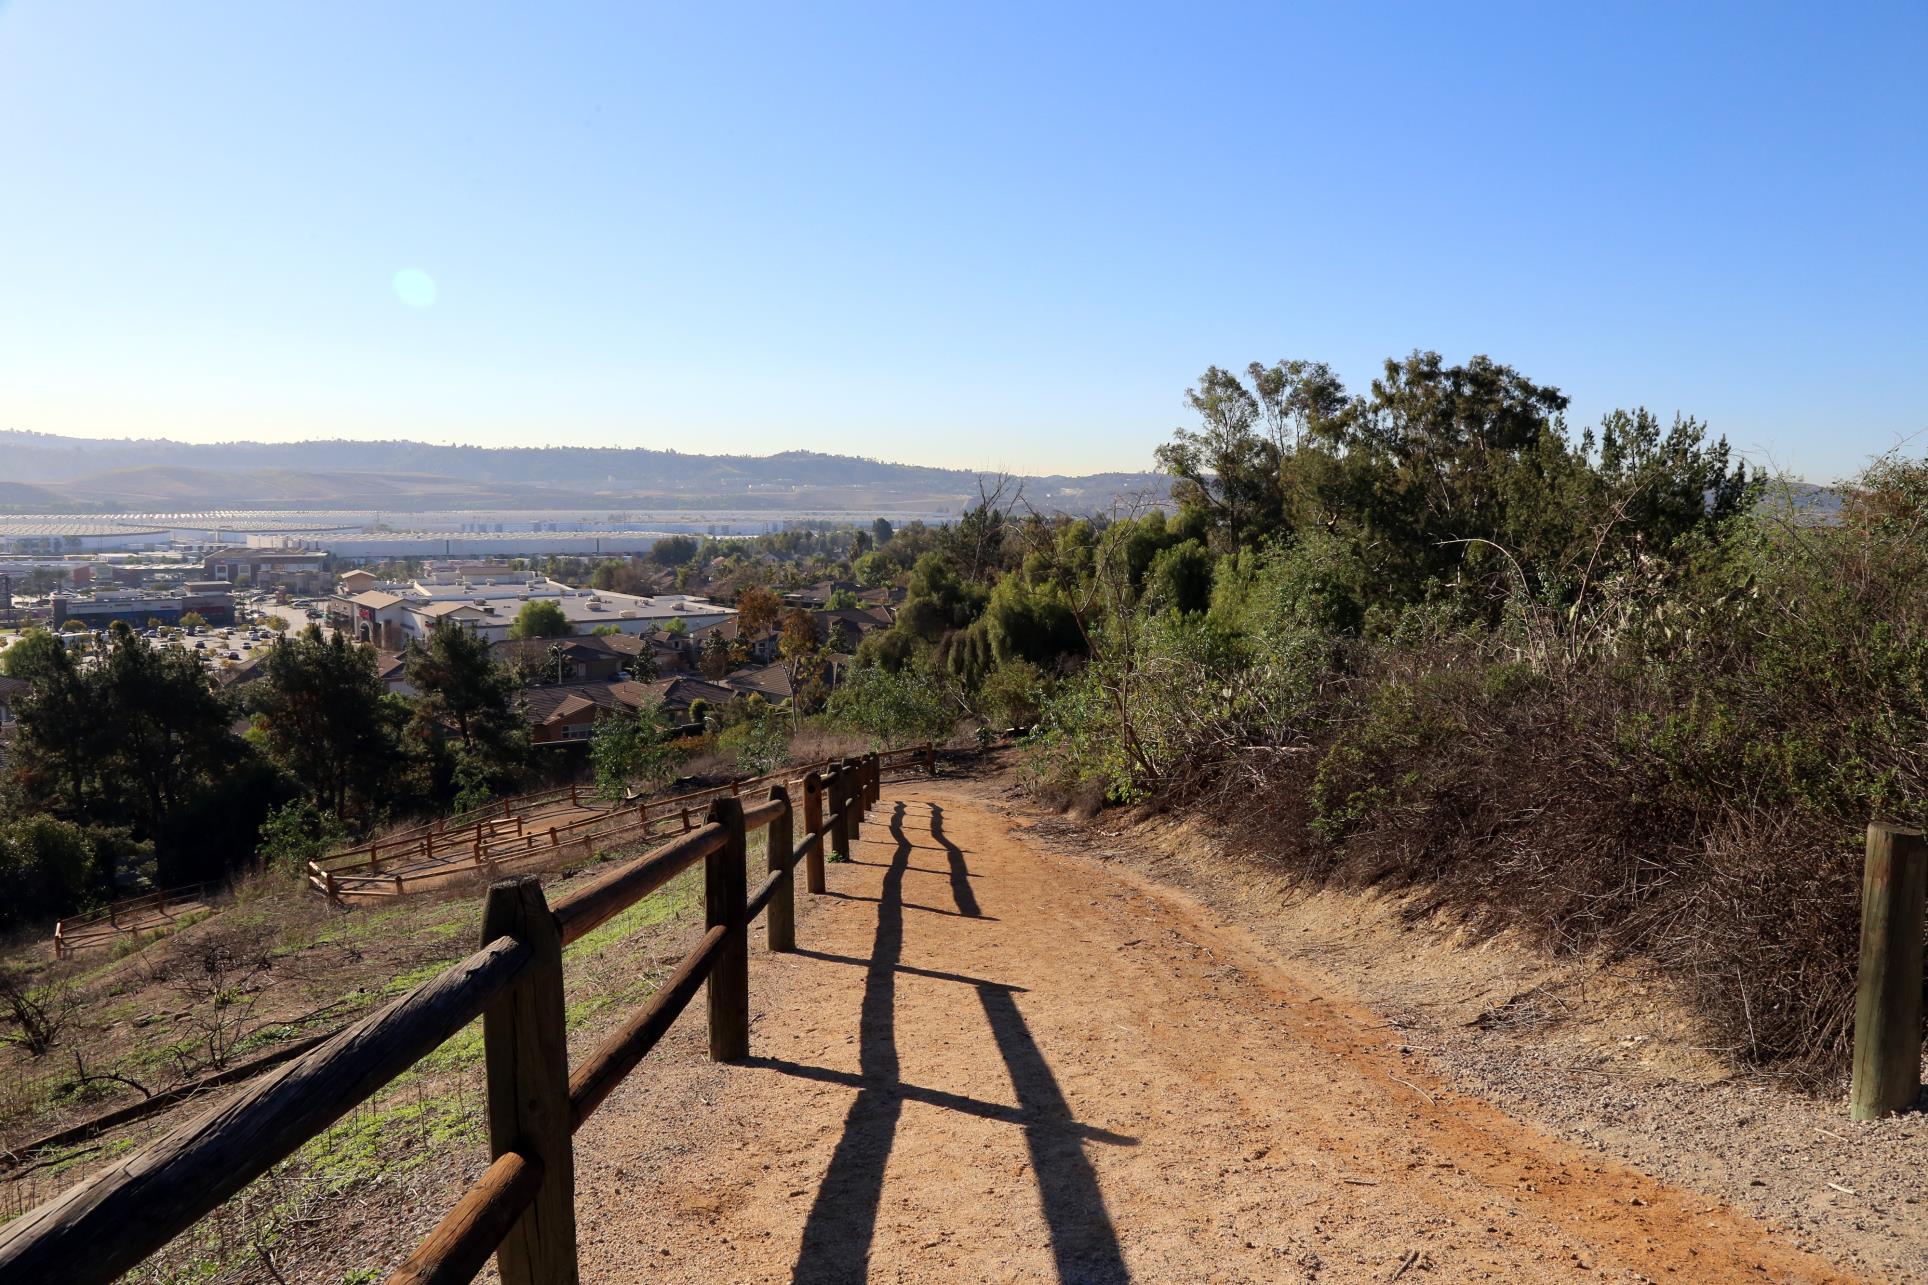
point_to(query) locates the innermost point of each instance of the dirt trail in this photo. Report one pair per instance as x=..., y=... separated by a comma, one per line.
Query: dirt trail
x=992, y=1062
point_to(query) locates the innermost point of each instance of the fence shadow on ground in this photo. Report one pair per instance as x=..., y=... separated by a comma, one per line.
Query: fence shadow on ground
x=841, y=1228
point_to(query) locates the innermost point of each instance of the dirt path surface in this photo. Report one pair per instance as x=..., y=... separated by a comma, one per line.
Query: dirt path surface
x=995, y=1062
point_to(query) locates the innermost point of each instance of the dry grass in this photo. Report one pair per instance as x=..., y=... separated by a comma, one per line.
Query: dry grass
x=367, y=1189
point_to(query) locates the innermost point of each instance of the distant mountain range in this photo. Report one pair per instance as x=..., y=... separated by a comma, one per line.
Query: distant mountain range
x=46, y=473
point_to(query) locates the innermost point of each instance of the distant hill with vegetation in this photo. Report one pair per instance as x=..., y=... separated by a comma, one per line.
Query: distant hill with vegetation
x=52, y=472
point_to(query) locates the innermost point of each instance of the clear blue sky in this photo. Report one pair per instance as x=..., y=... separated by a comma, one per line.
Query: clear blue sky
x=977, y=235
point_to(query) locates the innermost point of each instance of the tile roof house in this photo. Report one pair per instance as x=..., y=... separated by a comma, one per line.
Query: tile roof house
x=564, y=712
x=771, y=682
x=677, y=694
x=560, y=660
x=671, y=654
x=392, y=668
x=848, y=626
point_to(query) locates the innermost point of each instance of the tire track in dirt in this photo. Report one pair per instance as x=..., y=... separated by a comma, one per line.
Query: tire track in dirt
x=995, y=1062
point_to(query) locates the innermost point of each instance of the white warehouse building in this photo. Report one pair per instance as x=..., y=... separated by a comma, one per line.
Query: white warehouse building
x=390, y=616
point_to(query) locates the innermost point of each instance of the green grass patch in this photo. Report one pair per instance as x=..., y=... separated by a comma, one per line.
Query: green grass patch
x=376, y=1143
x=681, y=893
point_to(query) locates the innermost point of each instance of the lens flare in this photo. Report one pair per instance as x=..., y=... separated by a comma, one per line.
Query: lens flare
x=415, y=287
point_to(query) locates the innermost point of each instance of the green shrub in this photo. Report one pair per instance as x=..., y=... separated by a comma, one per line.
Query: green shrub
x=891, y=709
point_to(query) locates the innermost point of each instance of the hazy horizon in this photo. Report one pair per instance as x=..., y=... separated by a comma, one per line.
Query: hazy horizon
x=991, y=239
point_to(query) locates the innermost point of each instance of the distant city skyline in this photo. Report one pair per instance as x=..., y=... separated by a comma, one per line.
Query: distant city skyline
x=994, y=237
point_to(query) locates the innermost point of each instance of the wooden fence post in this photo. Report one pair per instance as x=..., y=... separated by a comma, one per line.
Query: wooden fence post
x=782, y=916
x=526, y=1054
x=838, y=840
x=813, y=824
x=1887, y=1008
x=875, y=776
x=725, y=895
x=853, y=793
x=930, y=759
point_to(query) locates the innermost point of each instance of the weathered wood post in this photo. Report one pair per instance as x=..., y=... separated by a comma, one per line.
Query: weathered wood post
x=930, y=759
x=838, y=840
x=853, y=797
x=813, y=824
x=724, y=900
x=526, y=1055
x=1887, y=1008
x=875, y=776
x=781, y=921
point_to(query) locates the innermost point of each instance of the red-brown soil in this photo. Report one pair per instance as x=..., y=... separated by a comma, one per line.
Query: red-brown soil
x=995, y=1061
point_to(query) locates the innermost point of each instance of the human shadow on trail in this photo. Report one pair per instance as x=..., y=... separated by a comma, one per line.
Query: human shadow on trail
x=961, y=891
x=842, y=1225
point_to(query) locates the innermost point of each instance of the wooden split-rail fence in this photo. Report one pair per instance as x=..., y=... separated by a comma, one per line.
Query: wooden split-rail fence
x=522, y=1209
x=129, y=917
x=533, y=830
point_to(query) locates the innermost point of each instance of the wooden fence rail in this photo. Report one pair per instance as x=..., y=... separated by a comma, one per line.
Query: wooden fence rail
x=502, y=845
x=130, y=915
x=522, y=1209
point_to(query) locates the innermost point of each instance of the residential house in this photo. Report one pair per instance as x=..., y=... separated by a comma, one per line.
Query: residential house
x=560, y=660
x=392, y=668
x=677, y=694
x=817, y=596
x=668, y=653
x=771, y=682
x=562, y=713
x=843, y=629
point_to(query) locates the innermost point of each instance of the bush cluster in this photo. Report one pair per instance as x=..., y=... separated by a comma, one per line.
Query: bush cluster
x=1651, y=720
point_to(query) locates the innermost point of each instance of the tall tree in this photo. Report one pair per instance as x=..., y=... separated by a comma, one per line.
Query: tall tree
x=1226, y=466
x=171, y=728
x=757, y=608
x=714, y=659
x=461, y=683
x=673, y=551
x=542, y=618
x=322, y=712
x=62, y=733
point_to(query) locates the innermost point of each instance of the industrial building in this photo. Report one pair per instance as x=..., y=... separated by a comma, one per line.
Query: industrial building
x=392, y=615
x=212, y=601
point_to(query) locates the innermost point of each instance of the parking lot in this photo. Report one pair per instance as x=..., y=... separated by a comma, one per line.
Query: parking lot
x=260, y=620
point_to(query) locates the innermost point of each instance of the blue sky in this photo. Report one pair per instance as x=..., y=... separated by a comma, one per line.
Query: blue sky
x=984, y=235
